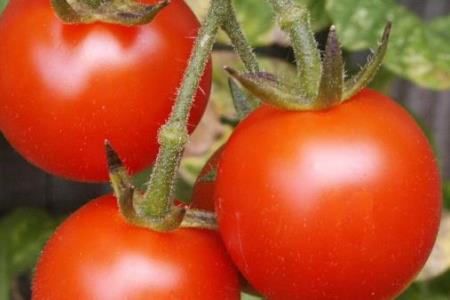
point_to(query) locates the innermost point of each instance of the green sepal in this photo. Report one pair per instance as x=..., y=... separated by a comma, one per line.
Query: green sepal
x=330, y=89
x=123, y=12
x=23, y=233
x=68, y=15
x=368, y=72
x=274, y=92
x=121, y=182
x=243, y=103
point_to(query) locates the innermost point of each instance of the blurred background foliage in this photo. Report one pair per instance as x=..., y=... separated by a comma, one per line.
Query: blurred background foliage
x=419, y=53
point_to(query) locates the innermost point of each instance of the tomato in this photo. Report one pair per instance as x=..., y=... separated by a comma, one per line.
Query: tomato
x=94, y=254
x=203, y=191
x=64, y=89
x=336, y=204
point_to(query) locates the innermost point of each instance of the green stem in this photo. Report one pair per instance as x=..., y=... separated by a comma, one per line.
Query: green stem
x=294, y=20
x=158, y=201
x=233, y=30
x=199, y=219
x=245, y=51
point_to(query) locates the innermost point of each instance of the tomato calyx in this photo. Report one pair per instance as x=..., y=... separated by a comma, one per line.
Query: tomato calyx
x=332, y=88
x=332, y=80
x=129, y=200
x=243, y=103
x=123, y=12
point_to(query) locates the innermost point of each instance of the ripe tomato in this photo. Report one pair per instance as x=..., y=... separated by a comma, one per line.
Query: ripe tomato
x=337, y=204
x=94, y=254
x=64, y=89
x=203, y=191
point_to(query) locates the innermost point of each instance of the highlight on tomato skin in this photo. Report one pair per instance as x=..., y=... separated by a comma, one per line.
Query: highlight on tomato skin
x=67, y=88
x=94, y=254
x=340, y=204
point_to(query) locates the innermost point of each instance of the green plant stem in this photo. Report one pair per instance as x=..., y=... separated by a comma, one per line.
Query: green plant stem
x=199, y=219
x=173, y=136
x=245, y=51
x=294, y=20
x=240, y=43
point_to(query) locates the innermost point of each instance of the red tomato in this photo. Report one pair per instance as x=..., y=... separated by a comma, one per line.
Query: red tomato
x=94, y=254
x=203, y=191
x=338, y=204
x=64, y=89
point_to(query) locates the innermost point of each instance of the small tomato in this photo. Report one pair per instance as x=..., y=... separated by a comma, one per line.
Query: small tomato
x=95, y=254
x=337, y=204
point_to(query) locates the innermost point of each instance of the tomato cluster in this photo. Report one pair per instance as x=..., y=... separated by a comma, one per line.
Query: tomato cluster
x=342, y=203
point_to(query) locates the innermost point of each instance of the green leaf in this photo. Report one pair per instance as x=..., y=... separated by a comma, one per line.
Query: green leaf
x=256, y=19
x=3, y=4
x=436, y=289
x=318, y=13
x=183, y=190
x=441, y=26
x=23, y=233
x=258, y=30
x=421, y=292
x=5, y=277
x=417, y=51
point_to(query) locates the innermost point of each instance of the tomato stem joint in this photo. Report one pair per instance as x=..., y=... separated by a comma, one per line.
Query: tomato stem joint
x=129, y=199
x=308, y=91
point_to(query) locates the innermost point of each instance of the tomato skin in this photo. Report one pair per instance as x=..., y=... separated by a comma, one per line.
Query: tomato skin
x=64, y=89
x=94, y=254
x=338, y=204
